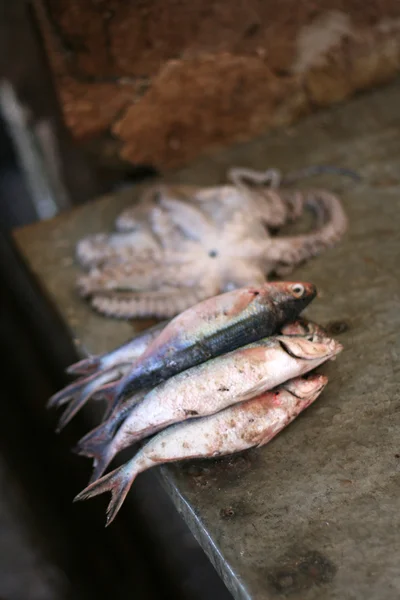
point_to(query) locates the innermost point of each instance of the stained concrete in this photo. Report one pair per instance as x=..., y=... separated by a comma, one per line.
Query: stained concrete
x=315, y=513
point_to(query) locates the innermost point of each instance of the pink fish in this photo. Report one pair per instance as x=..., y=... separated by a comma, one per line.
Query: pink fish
x=239, y=427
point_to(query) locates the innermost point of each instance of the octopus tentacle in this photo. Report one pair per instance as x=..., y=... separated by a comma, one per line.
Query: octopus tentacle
x=150, y=304
x=313, y=170
x=290, y=251
x=294, y=202
x=271, y=176
x=140, y=213
x=264, y=201
x=326, y=204
x=143, y=275
x=98, y=249
x=190, y=219
x=135, y=216
x=163, y=227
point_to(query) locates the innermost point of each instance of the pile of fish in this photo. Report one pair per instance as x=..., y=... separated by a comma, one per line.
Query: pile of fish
x=223, y=376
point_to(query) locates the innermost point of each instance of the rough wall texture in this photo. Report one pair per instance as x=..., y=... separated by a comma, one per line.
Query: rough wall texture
x=171, y=79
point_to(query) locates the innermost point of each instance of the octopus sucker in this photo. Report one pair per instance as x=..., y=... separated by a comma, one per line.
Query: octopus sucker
x=144, y=305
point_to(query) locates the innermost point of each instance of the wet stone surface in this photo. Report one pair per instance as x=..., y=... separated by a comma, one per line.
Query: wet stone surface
x=315, y=513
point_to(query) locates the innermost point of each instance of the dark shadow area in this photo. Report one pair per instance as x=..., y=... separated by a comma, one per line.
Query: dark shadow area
x=50, y=548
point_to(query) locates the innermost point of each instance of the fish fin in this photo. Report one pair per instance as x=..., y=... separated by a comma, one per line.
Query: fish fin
x=115, y=402
x=94, y=443
x=111, y=406
x=74, y=406
x=89, y=387
x=107, y=392
x=63, y=396
x=269, y=435
x=265, y=439
x=100, y=464
x=87, y=366
x=118, y=482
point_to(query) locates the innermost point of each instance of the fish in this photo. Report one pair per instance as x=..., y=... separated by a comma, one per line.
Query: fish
x=211, y=328
x=252, y=423
x=209, y=388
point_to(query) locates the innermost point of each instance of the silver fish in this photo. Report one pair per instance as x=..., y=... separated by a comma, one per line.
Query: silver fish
x=208, y=329
x=211, y=387
x=239, y=427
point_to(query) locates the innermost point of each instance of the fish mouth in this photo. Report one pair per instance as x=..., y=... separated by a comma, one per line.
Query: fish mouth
x=304, y=348
x=304, y=328
x=322, y=385
x=306, y=386
x=311, y=289
x=322, y=381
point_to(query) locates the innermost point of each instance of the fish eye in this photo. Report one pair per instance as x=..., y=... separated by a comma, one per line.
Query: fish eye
x=298, y=290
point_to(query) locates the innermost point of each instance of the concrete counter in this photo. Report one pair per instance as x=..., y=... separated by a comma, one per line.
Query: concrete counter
x=315, y=513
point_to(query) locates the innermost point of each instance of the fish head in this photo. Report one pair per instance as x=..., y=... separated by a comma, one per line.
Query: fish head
x=306, y=387
x=318, y=349
x=303, y=327
x=287, y=297
x=305, y=390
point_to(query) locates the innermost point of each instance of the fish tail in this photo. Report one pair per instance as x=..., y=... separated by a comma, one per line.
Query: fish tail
x=63, y=396
x=108, y=394
x=118, y=482
x=117, y=402
x=100, y=464
x=120, y=393
x=74, y=406
x=111, y=407
x=87, y=366
x=94, y=443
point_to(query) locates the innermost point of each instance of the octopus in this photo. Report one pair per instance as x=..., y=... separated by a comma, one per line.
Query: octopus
x=181, y=244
